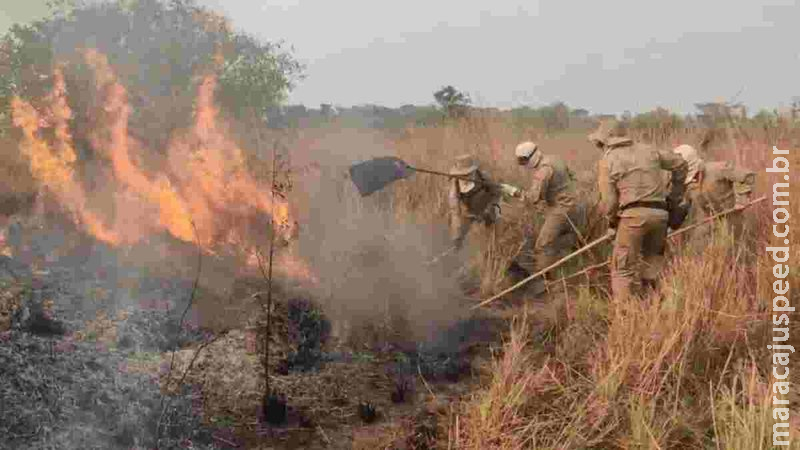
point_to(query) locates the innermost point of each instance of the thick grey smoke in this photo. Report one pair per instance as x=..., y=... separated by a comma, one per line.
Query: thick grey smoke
x=370, y=261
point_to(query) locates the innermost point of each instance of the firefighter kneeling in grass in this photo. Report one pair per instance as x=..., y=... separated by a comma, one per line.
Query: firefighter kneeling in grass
x=634, y=196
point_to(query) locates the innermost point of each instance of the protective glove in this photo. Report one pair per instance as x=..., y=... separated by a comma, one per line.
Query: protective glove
x=510, y=190
x=517, y=272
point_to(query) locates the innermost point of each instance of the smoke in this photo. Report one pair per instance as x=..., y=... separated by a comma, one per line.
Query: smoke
x=364, y=261
x=370, y=262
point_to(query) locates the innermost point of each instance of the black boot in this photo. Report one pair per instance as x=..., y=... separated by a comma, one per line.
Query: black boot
x=516, y=272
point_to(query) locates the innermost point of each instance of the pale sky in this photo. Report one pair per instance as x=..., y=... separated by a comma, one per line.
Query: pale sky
x=606, y=56
x=14, y=11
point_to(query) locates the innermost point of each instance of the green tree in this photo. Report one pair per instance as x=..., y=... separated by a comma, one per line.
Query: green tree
x=766, y=119
x=453, y=102
x=658, y=125
x=158, y=48
x=556, y=116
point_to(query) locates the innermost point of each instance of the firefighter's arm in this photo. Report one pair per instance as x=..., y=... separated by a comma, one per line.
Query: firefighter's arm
x=510, y=191
x=609, y=197
x=679, y=168
x=500, y=189
x=541, y=180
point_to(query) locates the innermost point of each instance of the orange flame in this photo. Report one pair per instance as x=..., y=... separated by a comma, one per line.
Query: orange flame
x=217, y=176
x=53, y=170
x=204, y=195
x=114, y=142
x=61, y=115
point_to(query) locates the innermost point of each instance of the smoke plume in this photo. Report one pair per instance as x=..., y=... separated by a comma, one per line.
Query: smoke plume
x=370, y=262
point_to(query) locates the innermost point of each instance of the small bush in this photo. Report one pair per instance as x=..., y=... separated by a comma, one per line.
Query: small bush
x=309, y=331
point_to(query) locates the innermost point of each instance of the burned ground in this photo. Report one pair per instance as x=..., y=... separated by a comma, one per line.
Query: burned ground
x=100, y=380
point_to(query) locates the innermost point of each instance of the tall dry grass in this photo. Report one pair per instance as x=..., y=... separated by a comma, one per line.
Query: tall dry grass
x=492, y=141
x=686, y=368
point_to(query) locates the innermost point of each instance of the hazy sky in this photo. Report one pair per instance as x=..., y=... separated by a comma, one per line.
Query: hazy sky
x=607, y=56
x=12, y=11
x=604, y=56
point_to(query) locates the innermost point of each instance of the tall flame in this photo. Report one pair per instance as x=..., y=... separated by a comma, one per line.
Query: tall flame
x=61, y=115
x=217, y=172
x=113, y=141
x=53, y=167
x=204, y=192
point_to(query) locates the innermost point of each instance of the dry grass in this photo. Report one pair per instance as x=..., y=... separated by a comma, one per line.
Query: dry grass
x=492, y=141
x=670, y=372
x=687, y=368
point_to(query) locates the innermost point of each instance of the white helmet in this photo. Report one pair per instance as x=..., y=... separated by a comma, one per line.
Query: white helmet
x=528, y=151
x=691, y=157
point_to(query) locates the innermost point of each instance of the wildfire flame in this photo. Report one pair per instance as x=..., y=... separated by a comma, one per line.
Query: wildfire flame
x=54, y=168
x=114, y=143
x=203, y=192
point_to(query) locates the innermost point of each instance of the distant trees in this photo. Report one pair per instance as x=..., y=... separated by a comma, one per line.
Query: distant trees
x=553, y=117
x=626, y=116
x=453, y=102
x=580, y=113
x=766, y=118
x=656, y=125
x=657, y=118
x=556, y=116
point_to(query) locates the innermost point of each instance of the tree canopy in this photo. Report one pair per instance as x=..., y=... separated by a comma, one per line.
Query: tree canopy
x=452, y=101
x=158, y=48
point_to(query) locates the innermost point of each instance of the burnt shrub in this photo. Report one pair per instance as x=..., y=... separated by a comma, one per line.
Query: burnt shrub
x=309, y=330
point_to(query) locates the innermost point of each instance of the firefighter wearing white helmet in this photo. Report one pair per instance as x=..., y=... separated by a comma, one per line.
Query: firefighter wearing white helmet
x=552, y=191
x=714, y=186
x=527, y=154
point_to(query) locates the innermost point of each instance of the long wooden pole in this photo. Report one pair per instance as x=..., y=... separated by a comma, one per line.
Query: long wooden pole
x=449, y=250
x=715, y=217
x=671, y=235
x=561, y=261
x=444, y=174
